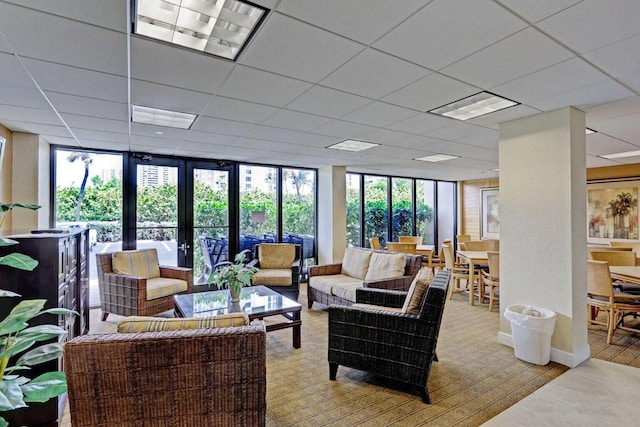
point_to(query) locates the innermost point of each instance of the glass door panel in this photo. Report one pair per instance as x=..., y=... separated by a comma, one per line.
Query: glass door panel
x=258, y=206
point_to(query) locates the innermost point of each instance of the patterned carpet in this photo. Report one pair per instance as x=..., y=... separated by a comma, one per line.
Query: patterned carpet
x=475, y=379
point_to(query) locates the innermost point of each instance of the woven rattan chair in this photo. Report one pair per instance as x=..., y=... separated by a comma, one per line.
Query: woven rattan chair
x=280, y=274
x=390, y=344
x=196, y=378
x=601, y=295
x=127, y=295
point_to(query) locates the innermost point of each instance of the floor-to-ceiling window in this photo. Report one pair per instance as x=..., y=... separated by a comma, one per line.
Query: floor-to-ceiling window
x=258, y=206
x=401, y=208
x=299, y=211
x=425, y=218
x=376, y=208
x=354, y=207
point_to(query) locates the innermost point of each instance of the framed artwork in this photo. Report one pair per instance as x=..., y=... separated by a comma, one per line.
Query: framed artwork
x=612, y=211
x=489, y=216
x=2, y=144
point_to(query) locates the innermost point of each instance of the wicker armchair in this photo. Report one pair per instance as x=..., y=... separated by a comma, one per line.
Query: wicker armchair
x=127, y=295
x=390, y=344
x=198, y=377
x=279, y=265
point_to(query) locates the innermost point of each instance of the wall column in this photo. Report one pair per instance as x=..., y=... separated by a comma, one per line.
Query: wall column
x=30, y=181
x=332, y=214
x=543, y=236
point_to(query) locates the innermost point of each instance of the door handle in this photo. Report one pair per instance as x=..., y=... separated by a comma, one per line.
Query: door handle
x=184, y=247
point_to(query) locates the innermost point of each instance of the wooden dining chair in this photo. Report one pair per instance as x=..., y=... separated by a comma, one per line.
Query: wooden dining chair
x=614, y=257
x=461, y=238
x=410, y=239
x=407, y=248
x=458, y=271
x=601, y=296
x=491, y=278
x=374, y=242
x=477, y=245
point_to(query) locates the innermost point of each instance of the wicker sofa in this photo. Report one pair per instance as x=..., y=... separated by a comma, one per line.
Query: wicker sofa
x=361, y=267
x=196, y=377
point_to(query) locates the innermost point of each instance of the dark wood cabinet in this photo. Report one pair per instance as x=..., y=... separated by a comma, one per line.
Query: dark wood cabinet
x=62, y=279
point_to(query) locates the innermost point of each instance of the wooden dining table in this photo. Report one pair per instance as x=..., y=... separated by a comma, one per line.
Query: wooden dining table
x=473, y=259
x=625, y=273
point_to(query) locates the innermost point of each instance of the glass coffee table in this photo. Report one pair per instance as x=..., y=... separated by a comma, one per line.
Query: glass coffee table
x=257, y=301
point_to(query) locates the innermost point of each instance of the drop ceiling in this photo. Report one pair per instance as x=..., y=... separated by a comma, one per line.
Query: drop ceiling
x=319, y=72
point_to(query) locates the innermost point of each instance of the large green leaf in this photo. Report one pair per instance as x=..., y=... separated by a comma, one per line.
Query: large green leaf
x=3, y=422
x=17, y=346
x=21, y=313
x=41, y=354
x=5, y=241
x=19, y=261
x=44, y=387
x=4, y=207
x=11, y=396
x=59, y=311
x=36, y=331
x=4, y=293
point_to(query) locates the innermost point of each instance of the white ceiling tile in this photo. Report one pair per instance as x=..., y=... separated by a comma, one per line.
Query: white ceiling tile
x=559, y=78
x=448, y=30
x=342, y=129
x=106, y=137
x=459, y=130
x=268, y=133
x=534, y=11
x=375, y=17
x=170, y=98
x=379, y=114
x=374, y=74
x=36, y=128
x=210, y=138
x=22, y=96
x=613, y=109
x=615, y=59
x=599, y=162
x=327, y=102
x=29, y=115
x=600, y=143
x=150, y=61
x=225, y=127
x=12, y=71
x=75, y=121
x=296, y=120
x=626, y=128
x=592, y=24
x=262, y=87
x=589, y=95
x=88, y=106
x=384, y=136
x=233, y=109
x=519, y=54
x=64, y=41
x=421, y=123
x=431, y=92
x=151, y=132
x=292, y=48
x=78, y=81
x=494, y=119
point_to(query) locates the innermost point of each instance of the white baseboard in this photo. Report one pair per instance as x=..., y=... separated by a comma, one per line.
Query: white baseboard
x=559, y=356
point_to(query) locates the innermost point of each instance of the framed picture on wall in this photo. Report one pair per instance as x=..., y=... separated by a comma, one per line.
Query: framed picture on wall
x=612, y=211
x=489, y=215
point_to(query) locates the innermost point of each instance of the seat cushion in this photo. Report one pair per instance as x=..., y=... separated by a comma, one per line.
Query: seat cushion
x=416, y=292
x=138, y=263
x=273, y=276
x=164, y=286
x=355, y=263
x=326, y=283
x=276, y=255
x=385, y=266
x=155, y=324
x=346, y=290
x=377, y=307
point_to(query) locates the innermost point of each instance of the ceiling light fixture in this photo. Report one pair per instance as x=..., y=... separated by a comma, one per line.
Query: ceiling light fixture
x=217, y=27
x=436, y=158
x=473, y=106
x=155, y=116
x=621, y=154
x=352, y=145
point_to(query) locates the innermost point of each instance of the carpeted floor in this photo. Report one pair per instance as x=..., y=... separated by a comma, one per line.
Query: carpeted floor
x=475, y=379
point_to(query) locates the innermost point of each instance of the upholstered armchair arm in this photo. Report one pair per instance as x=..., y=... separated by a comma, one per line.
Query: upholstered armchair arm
x=254, y=263
x=132, y=286
x=129, y=374
x=383, y=297
x=181, y=273
x=325, y=270
x=401, y=283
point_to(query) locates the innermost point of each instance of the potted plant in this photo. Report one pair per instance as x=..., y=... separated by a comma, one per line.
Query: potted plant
x=17, y=337
x=234, y=276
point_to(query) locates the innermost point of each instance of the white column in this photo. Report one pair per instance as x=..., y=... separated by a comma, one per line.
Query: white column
x=543, y=235
x=30, y=181
x=332, y=214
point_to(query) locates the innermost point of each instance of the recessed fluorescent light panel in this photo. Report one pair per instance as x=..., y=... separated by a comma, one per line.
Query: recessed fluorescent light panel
x=351, y=145
x=218, y=27
x=436, y=158
x=155, y=116
x=621, y=155
x=473, y=106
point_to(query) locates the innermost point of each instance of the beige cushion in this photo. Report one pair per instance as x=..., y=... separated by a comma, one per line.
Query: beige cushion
x=326, y=283
x=418, y=287
x=139, y=263
x=163, y=286
x=378, y=307
x=273, y=276
x=155, y=324
x=355, y=263
x=346, y=290
x=385, y=266
x=276, y=255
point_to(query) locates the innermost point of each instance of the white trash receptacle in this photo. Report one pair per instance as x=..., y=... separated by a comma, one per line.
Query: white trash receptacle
x=531, y=329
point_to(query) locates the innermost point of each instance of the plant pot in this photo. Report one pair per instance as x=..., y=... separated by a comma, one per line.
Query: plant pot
x=235, y=294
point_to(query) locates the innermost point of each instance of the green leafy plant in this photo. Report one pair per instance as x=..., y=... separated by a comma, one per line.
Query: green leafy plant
x=17, y=337
x=235, y=275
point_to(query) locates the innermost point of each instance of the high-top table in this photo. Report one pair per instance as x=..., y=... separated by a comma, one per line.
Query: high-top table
x=257, y=301
x=472, y=258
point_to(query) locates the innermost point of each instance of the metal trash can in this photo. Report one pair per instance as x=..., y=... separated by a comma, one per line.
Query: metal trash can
x=531, y=329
